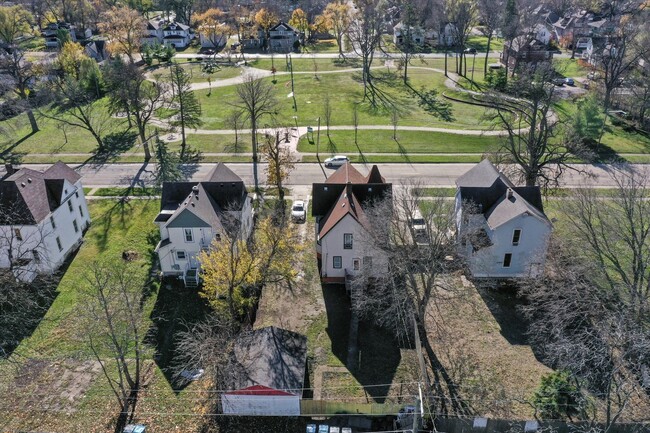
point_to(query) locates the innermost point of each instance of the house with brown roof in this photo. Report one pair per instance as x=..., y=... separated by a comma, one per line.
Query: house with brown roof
x=43, y=215
x=502, y=229
x=195, y=214
x=343, y=229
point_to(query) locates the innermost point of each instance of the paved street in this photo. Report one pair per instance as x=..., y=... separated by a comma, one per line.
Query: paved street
x=307, y=173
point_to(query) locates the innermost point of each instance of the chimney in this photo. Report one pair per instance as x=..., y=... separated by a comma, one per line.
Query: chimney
x=10, y=168
x=509, y=193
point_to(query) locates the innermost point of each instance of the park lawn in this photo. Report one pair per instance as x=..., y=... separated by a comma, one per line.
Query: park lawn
x=411, y=142
x=308, y=65
x=570, y=68
x=344, y=90
x=215, y=143
x=406, y=158
x=116, y=227
x=322, y=46
x=480, y=43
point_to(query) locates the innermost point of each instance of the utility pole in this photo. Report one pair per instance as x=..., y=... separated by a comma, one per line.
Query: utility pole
x=473, y=63
x=293, y=93
x=317, y=145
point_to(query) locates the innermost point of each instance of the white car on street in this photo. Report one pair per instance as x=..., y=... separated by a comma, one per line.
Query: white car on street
x=336, y=161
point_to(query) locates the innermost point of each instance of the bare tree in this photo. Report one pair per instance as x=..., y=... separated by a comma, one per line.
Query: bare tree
x=409, y=273
x=112, y=313
x=185, y=105
x=130, y=92
x=327, y=114
x=236, y=120
x=533, y=147
x=256, y=98
x=364, y=34
x=590, y=312
x=490, y=13
x=462, y=16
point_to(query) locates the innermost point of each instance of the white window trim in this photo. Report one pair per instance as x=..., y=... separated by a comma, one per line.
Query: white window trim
x=184, y=255
x=513, y=237
x=191, y=235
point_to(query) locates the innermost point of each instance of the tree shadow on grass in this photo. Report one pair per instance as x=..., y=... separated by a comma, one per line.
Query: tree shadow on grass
x=20, y=319
x=377, y=353
x=115, y=144
x=177, y=308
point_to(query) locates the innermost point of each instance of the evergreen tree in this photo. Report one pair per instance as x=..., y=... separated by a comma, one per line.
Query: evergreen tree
x=187, y=109
x=168, y=164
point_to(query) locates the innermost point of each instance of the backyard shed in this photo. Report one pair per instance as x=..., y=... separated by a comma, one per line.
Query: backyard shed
x=267, y=372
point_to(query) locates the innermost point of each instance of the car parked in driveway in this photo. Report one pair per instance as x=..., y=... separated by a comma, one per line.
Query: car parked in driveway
x=569, y=82
x=336, y=161
x=298, y=211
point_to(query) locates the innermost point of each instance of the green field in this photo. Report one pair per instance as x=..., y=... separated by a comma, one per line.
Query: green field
x=344, y=91
x=411, y=142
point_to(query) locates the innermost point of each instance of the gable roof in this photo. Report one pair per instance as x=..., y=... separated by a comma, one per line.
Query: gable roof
x=488, y=188
x=271, y=358
x=509, y=206
x=32, y=195
x=347, y=204
x=282, y=26
x=364, y=188
x=346, y=173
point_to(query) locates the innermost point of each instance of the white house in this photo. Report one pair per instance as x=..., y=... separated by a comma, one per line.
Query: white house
x=342, y=227
x=502, y=229
x=266, y=373
x=168, y=33
x=418, y=34
x=194, y=214
x=542, y=33
x=43, y=216
x=213, y=39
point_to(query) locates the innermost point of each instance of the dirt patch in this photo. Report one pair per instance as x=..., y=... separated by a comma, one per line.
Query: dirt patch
x=480, y=340
x=52, y=385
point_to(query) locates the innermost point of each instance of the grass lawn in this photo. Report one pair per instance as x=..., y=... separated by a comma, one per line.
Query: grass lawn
x=61, y=372
x=344, y=90
x=308, y=65
x=322, y=46
x=216, y=143
x=480, y=43
x=570, y=68
x=411, y=159
x=411, y=142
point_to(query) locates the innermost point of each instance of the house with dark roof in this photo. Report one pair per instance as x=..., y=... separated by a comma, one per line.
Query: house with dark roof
x=342, y=226
x=525, y=50
x=43, y=215
x=501, y=228
x=193, y=215
x=168, y=33
x=266, y=373
x=282, y=38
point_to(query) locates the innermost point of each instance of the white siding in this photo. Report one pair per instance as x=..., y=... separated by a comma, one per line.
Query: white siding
x=260, y=405
x=332, y=245
x=528, y=257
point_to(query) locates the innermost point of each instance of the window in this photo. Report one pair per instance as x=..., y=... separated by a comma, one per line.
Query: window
x=52, y=222
x=180, y=255
x=76, y=194
x=507, y=259
x=58, y=243
x=19, y=236
x=217, y=237
x=347, y=241
x=76, y=227
x=356, y=264
x=337, y=262
x=81, y=211
x=70, y=205
x=189, y=237
x=37, y=257
x=516, y=236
